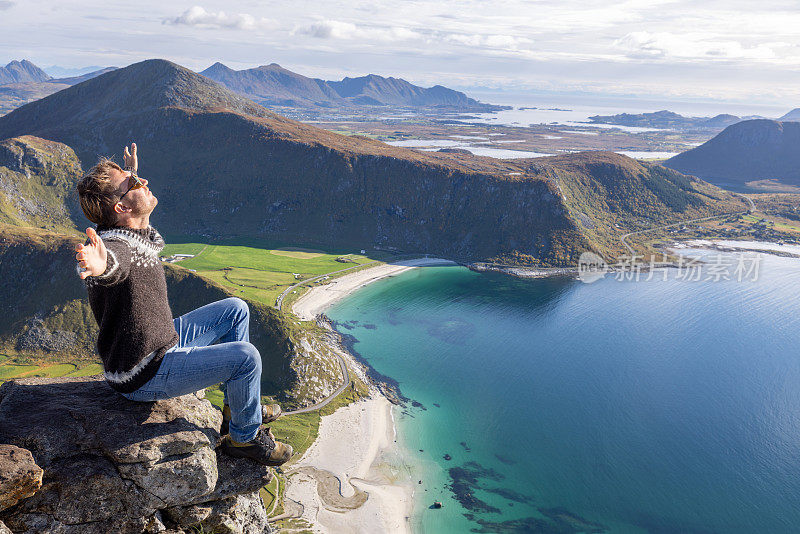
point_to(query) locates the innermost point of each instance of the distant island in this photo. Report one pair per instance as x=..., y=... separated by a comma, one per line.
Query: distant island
x=667, y=120
x=273, y=85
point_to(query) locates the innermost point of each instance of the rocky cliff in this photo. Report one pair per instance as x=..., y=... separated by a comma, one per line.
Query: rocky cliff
x=76, y=457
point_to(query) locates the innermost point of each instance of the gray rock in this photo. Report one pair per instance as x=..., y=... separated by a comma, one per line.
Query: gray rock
x=20, y=477
x=112, y=466
x=241, y=514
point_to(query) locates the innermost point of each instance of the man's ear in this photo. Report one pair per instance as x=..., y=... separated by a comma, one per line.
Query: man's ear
x=119, y=207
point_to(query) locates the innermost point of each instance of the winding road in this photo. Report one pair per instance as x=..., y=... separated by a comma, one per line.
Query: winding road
x=689, y=221
x=342, y=364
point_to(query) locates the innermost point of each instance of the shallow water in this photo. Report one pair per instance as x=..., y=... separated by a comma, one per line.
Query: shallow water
x=649, y=406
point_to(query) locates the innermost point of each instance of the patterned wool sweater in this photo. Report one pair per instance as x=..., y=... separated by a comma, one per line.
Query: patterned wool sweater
x=129, y=302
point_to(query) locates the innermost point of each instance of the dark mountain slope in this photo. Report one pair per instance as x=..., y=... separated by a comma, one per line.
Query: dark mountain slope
x=224, y=166
x=744, y=152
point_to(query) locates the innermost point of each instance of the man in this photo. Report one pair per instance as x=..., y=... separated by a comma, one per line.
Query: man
x=146, y=354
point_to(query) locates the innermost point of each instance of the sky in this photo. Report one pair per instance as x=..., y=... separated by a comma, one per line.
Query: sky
x=691, y=50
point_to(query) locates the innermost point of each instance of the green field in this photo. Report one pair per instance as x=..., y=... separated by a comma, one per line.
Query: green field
x=21, y=366
x=183, y=248
x=259, y=273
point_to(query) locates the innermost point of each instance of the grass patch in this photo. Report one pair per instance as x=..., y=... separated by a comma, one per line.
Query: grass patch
x=183, y=248
x=55, y=371
x=260, y=274
x=88, y=370
x=215, y=396
x=269, y=494
x=25, y=367
x=10, y=370
x=299, y=253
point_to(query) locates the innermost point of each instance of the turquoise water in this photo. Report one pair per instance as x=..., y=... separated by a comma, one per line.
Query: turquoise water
x=660, y=406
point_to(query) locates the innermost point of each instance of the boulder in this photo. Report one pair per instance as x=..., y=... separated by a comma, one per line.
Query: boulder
x=112, y=465
x=20, y=477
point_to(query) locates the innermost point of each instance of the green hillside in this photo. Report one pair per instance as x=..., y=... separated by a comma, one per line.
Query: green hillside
x=608, y=195
x=38, y=180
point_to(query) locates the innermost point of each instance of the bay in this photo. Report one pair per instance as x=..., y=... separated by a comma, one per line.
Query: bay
x=618, y=406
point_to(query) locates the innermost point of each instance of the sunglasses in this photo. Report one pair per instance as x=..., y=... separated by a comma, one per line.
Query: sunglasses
x=133, y=183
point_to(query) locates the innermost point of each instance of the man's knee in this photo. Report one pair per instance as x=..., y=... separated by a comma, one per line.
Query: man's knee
x=239, y=306
x=249, y=355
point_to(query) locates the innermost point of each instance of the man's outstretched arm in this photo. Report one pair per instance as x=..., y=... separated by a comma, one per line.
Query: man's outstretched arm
x=107, y=264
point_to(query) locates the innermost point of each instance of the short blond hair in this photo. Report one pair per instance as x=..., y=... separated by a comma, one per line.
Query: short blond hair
x=98, y=195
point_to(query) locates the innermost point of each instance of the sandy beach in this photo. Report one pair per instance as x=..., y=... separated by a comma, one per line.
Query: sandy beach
x=319, y=298
x=353, y=478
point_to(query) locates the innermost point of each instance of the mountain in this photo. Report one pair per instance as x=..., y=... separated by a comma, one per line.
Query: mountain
x=22, y=72
x=377, y=90
x=748, y=151
x=224, y=166
x=13, y=95
x=667, y=120
x=793, y=115
x=273, y=85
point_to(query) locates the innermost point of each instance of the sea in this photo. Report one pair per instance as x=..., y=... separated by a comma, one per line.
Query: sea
x=639, y=403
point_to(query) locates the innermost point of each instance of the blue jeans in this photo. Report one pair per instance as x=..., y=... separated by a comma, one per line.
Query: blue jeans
x=194, y=364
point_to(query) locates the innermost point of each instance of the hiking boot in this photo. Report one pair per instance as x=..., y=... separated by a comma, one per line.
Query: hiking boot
x=269, y=412
x=262, y=449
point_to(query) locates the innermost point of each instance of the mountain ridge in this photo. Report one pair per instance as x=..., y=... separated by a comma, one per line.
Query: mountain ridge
x=274, y=85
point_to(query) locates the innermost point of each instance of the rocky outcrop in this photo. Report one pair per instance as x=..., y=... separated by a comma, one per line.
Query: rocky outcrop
x=20, y=477
x=111, y=465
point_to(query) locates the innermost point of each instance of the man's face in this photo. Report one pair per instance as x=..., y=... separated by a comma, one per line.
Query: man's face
x=141, y=201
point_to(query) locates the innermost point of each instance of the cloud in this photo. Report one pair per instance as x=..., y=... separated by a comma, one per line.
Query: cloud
x=334, y=29
x=501, y=42
x=198, y=17
x=642, y=44
x=6, y=4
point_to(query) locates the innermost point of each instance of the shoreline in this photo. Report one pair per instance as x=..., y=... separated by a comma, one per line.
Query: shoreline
x=319, y=298
x=355, y=477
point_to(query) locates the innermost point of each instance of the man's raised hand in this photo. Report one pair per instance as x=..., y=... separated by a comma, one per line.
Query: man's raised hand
x=92, y=257
x=131, y=158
